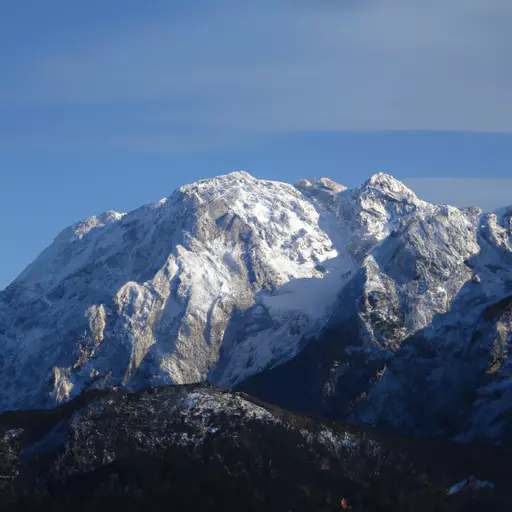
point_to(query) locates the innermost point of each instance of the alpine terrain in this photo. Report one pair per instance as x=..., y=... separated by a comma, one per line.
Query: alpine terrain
x=367, y=304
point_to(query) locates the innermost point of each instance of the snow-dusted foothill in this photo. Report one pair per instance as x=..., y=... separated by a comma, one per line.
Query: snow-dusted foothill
x=195, y=447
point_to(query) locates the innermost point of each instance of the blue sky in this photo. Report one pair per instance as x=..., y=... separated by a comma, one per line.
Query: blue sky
x=108, y=105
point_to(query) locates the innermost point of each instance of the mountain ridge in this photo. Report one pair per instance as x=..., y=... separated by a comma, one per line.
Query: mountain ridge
x=198, y=447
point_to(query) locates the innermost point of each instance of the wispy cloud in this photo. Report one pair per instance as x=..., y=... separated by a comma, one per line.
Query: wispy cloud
x=259, y=68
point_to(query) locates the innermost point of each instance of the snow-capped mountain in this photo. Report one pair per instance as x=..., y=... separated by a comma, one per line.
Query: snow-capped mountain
x=146, y=298
x=396, y=301
x=420, y=336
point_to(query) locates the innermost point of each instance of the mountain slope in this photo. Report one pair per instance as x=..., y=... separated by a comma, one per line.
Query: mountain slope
x=196, y=448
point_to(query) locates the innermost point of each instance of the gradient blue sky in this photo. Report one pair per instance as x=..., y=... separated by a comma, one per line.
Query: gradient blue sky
x=108, y=105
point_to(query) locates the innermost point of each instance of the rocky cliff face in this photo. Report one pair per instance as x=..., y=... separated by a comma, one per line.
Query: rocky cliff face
x=377, y=305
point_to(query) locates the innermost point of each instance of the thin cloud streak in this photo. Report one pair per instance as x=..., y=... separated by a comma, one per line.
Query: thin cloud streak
x=277, y=67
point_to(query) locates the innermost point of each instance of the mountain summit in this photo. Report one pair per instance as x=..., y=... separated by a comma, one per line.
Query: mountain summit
x=239, y=280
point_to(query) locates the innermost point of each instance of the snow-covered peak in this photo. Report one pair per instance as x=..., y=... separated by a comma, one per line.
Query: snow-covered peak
x=387, y=186
x=504, y=217
x=208, y=186
x=323, y=192
x=82, y=228
x=320, y=183
x=49, y=264
x=79, y=229
x=374, y=210
x=384, y=198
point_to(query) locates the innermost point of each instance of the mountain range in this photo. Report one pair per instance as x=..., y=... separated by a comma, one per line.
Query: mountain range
x=368, y=305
